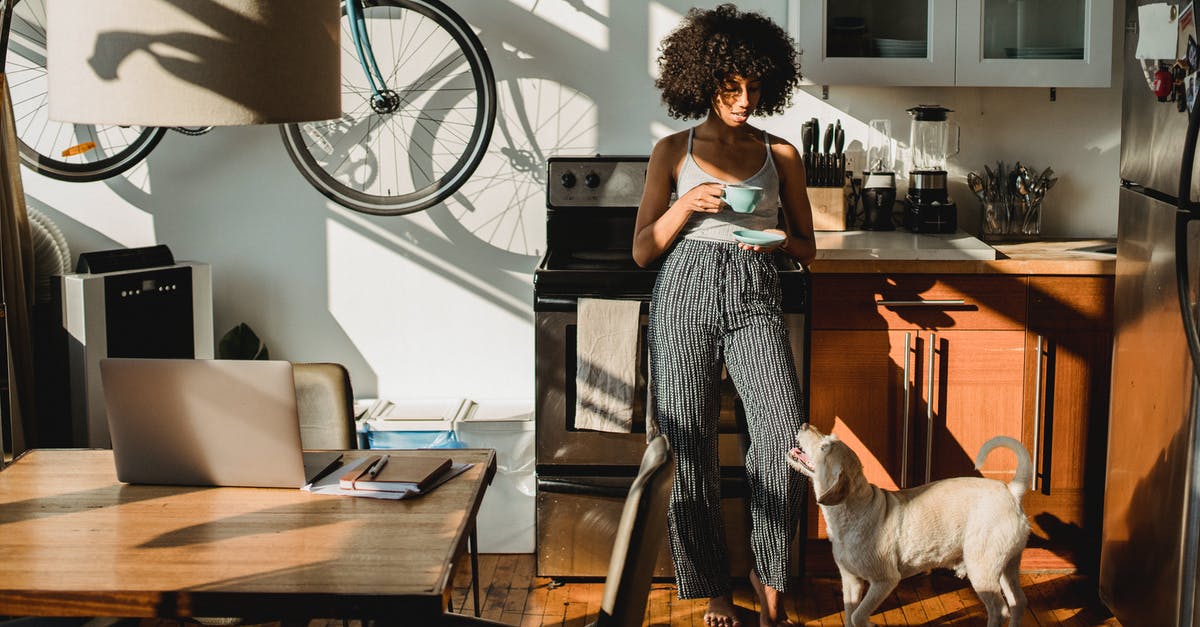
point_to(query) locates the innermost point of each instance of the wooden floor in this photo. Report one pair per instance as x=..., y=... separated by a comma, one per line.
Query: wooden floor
x=510, y=593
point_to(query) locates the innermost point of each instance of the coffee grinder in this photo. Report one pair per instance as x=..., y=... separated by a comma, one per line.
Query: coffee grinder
x=928, y=208
x=879, y=181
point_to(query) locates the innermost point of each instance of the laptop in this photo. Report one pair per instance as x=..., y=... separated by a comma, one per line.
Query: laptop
x=207, y=422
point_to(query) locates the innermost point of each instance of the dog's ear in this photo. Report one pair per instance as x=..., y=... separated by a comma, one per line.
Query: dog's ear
x=835, y=493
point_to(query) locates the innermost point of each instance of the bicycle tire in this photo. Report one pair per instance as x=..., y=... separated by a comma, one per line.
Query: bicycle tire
x=101, y=151
x=440, y=170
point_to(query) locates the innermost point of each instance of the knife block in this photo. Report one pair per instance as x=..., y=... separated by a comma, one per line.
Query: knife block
x=829, y=208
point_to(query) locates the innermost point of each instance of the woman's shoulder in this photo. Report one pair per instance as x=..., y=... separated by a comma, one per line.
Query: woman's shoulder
x=779, y=144
x=782, y=148
x=674, y=141
x=671, y=147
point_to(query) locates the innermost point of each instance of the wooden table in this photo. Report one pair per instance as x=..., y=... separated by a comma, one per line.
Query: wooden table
x=76, y=542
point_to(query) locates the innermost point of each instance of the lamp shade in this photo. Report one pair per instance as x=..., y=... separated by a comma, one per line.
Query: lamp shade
x=193, y=62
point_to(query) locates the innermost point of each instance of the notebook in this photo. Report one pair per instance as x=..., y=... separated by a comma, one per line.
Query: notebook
x=396, y=473
x=207, y=422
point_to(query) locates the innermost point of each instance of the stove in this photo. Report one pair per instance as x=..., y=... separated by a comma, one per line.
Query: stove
x=582, y=475
x=591, y=208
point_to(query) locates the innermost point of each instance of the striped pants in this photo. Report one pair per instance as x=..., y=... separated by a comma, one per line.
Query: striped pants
x=715, y=303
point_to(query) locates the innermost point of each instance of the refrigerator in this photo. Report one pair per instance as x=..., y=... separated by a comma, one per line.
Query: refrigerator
x=1151, y=528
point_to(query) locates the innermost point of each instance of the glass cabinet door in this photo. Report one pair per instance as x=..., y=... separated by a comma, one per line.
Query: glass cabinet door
x=1043, y=29
x=999, y=43
x=875, y=42
x=1052, y=43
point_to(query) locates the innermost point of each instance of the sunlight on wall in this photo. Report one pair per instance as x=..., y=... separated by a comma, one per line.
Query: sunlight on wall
x=503, y=205
x=97, y=207
x=587, y=20
x=658, y=130
x=415, y=317
x=662, y=21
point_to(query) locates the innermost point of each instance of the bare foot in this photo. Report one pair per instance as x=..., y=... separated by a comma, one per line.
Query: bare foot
x=721, y=613
x=772, y=612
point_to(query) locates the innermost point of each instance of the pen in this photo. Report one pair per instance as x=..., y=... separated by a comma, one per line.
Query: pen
x=377, y=466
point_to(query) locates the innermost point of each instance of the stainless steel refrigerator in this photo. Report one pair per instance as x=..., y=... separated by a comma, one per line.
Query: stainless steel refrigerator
x=1148, y=563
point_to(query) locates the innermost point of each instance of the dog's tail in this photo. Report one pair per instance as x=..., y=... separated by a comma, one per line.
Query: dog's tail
x=1021, y=481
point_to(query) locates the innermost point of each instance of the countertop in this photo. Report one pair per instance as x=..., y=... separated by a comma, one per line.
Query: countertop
x=903, y=252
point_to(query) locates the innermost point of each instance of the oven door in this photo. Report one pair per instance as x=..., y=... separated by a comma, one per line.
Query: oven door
x=573, y=450
x=577, y=519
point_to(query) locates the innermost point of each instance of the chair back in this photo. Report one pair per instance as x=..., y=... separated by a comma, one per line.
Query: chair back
x=640, y=536
x=325, y=401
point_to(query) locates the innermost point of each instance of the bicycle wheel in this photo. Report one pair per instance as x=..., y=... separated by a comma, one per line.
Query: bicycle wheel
x=61, y=150
x=398, y=162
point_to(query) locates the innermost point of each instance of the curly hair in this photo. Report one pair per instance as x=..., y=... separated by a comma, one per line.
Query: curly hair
x=713, y=45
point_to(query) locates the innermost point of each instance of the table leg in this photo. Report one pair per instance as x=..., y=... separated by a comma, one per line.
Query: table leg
x=474, y=541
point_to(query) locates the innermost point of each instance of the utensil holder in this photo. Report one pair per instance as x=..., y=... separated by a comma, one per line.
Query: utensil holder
x=1010, y=220
x=829, y=208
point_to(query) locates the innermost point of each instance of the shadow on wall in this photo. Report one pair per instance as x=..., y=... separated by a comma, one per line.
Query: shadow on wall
x=282, y=256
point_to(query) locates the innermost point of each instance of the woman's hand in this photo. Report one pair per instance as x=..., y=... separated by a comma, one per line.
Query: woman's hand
x=769, y=248
x=704, y=198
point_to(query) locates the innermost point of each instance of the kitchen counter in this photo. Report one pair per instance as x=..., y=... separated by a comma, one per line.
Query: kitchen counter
x=904, y=252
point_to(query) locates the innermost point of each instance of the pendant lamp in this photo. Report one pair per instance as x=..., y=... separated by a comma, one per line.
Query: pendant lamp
x=193, y=62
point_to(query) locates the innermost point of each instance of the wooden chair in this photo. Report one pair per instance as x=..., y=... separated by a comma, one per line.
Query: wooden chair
x=639, y=537
x=325, y=401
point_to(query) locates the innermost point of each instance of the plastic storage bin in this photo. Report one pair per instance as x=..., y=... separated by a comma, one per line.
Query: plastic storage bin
x=506, y=521
x=424, y=423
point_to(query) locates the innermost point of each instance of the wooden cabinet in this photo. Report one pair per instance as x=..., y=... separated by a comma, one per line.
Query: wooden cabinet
x=975, y=395
x=1059, y=43
x=915, y=372
x=1068, y=367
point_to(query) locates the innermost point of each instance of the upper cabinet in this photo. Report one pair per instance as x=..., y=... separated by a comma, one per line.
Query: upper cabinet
x=1000, y=43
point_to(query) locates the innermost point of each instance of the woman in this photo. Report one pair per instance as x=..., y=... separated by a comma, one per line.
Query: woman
x=718, y=301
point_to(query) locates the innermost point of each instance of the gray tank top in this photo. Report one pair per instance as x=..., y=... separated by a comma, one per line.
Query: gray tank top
x=719, y=227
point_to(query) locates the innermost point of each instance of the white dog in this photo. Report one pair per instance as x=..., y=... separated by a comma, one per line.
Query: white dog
x=972, y=525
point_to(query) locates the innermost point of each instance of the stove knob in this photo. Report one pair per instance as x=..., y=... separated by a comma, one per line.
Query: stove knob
x=568, y=179
x=592, y=180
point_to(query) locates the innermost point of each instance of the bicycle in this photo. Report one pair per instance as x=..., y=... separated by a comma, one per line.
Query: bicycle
x=417, y=118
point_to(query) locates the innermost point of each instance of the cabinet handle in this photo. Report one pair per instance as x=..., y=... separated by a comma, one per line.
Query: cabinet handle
x=949, y=302
x=907, y=411
x=1037, y=413
x=929, y=410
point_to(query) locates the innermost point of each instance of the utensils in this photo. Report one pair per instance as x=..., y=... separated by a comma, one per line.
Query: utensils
x=824, y=159
x=839, y=144
x=1011, y=199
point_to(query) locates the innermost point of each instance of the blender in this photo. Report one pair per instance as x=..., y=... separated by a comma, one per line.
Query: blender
x=879, y=182
x=928, y=208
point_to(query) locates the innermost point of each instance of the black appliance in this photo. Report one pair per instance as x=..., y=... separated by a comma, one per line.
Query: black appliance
x=1150, y=546
x=583, y=476
x=928, y=208
x=136, y=302
x=878, y=198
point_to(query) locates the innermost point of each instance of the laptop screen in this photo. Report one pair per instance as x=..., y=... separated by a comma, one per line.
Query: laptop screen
x=204, y=422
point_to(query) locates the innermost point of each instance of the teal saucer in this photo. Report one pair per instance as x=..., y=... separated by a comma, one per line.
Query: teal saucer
x=757, y=238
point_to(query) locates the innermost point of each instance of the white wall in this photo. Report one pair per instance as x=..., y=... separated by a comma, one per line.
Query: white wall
x=439, y=304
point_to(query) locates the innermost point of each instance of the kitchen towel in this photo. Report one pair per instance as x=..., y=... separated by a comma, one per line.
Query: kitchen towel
x=606, y=345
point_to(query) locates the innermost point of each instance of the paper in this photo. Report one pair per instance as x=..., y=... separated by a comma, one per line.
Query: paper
x=330, y=484
x=1157, y=32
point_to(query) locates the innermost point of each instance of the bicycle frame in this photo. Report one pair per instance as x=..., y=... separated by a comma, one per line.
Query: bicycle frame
x=362, y=45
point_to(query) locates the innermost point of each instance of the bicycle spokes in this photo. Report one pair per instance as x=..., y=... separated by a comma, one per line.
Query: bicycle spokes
x=418, y=110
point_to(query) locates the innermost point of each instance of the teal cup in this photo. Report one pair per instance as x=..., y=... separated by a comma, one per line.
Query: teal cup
x=742, y=198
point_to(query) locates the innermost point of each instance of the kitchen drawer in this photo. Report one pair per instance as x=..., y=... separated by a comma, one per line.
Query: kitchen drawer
x=918, y=301
x=1074, y=303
